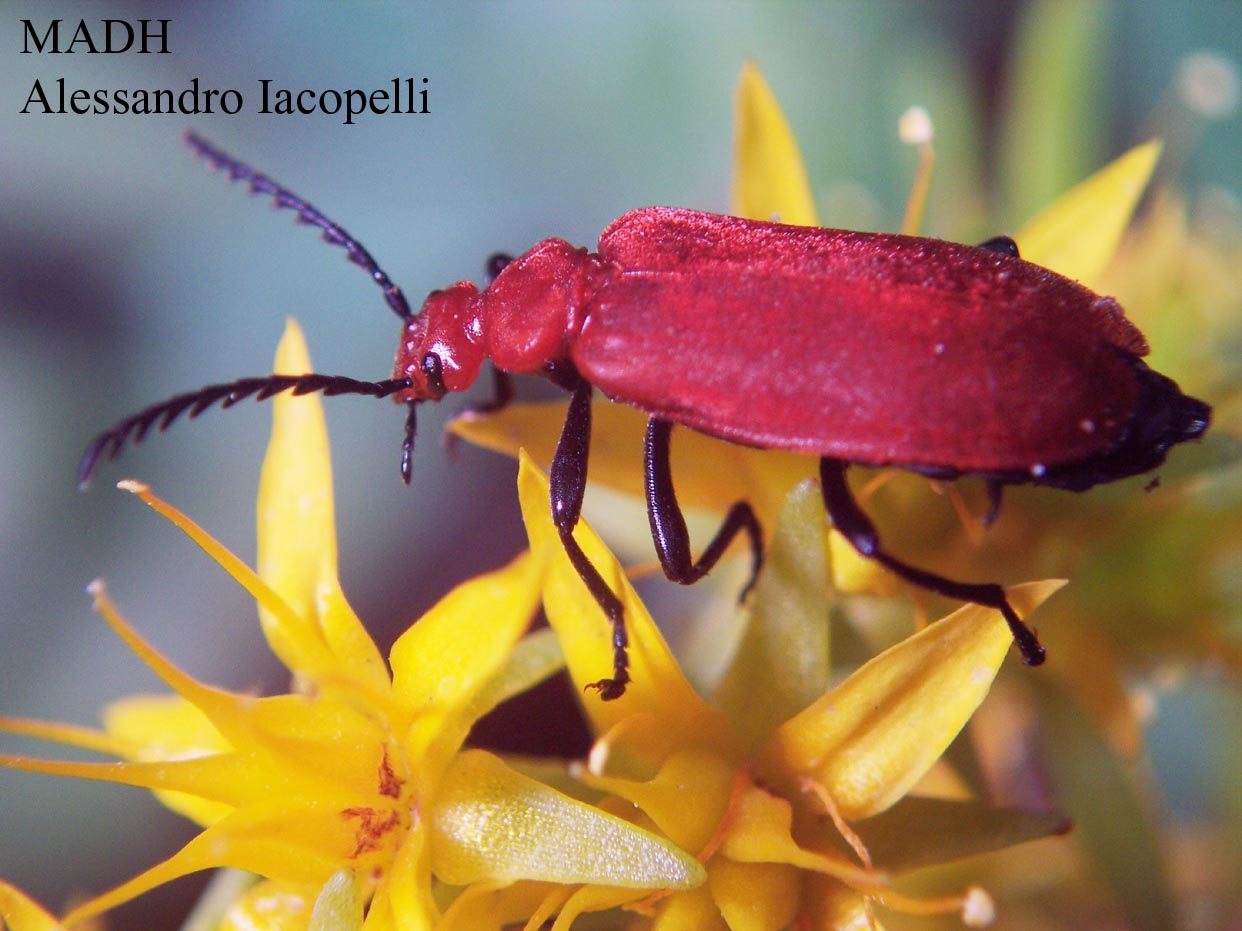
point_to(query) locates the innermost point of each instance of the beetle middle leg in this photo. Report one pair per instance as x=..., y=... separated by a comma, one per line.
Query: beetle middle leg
x=849, y=519
x=502, y=397
x=668, y=526
x=567, y=483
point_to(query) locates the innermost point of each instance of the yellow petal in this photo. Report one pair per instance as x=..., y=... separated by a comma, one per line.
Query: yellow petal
x=297, y=524
x=20, y=913
x=161, y=727
x=755, y=896
x=761, y=831
x=167, y=727
x=687, y=799
x=1077, y=235
x=658, y=687
x=856, y=574
x=283, y=725
x=403, y=901
x=873, y=736
x=443, y=664
x=769, y=177
x=280, y=840
x=270, y=906
x=491, y=824
x=337, y=748
x=483, y=908
x=694, y=909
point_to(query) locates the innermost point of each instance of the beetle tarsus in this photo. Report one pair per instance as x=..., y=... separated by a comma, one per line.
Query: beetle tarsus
x=1033, y=652
x=614, y=688
x=610, y=689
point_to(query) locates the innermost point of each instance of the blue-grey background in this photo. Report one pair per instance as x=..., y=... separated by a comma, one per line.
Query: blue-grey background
x=129, y=273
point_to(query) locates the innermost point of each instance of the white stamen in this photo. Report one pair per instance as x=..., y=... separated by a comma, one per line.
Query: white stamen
x=915, y=126
x=1207, y=82
x=978, y=909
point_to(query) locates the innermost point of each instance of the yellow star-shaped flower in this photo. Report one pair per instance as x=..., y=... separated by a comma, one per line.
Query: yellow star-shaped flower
x=760, y=786
x=353, y=790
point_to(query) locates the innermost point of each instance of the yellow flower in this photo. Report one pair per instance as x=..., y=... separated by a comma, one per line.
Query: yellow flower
x=1077, y=235
x=765, y=784
x=19, y=913
x=354, y=789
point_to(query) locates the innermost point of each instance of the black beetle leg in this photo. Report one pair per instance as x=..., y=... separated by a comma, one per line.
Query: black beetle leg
x=668, y=526
x=502, y=396
x=995, y=489
x=849, y=519
x=568, y=486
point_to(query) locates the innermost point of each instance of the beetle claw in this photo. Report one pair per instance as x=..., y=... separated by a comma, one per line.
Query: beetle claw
x=609, y=689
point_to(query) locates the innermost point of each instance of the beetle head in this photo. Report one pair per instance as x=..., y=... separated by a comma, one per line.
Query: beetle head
x=440, y=349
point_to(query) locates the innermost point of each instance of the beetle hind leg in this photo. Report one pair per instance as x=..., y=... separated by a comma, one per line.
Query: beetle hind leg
x=568, y=486
x=668, y=526
x=849, y=519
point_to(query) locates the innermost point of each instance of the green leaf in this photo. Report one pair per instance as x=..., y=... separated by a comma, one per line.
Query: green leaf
x=1052, y=103
x=919, y=831
x=781, y=665
x=1114, y=824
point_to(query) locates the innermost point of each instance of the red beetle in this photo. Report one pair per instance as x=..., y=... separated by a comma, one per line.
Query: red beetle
x=872, y=348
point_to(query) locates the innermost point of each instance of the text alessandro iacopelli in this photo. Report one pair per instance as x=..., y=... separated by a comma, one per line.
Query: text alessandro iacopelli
x=114, y=36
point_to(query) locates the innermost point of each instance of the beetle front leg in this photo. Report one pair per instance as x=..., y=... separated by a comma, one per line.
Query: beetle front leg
x=567, y=484
x=668, y=525
x=502, y=397
x=848, y=518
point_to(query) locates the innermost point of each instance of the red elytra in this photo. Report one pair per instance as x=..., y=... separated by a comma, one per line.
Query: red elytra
x=855, y=347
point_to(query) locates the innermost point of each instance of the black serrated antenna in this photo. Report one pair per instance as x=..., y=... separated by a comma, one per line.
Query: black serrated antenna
x=285, y=199
x=192, y=403
x=132, y=429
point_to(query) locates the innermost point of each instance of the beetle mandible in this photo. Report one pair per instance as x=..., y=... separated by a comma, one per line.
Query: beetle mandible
x=870, y=348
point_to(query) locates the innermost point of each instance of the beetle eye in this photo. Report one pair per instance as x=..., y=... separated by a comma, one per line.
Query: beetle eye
x=495, y=264
x=434, y=374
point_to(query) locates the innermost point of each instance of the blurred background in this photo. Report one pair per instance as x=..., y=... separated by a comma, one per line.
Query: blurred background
x=129, y=273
